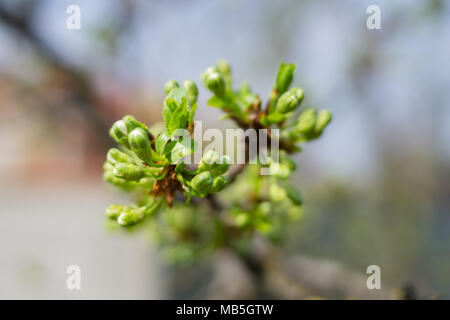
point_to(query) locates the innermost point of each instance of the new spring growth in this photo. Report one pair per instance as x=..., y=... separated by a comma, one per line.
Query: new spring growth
x=114, y=155
x=113, y=211
x=202, y=182
x=121, y=129
x=129, y=215
x=140, y=144
x=209, y=177
x=215, y=82
x=153, y=167
x=119, y=133
x=191, y=91
x=224, y=67
x=289, y=100
x=311, y=125
x=212, y=162
x=219, y=183
x=170, y=85
x=284, y=77
x=125, y=215
x=122, y=167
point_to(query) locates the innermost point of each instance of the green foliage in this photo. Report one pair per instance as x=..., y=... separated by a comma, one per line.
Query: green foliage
x=179, y=204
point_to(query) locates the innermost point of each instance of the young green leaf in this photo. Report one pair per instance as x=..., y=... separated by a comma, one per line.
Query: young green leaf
x=284, y=77
x=161, y=143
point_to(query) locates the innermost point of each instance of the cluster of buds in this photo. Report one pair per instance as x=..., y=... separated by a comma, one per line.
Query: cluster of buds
x=209, y=176
x=155, y=161
x=150, y=162
x=281, y=112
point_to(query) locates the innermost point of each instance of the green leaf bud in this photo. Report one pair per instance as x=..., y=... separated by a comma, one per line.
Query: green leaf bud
x=191, y=91
x=131, y=123
x=170, y=85
x=152, y=206
x=130, y=216
x=205, y=74
x=221, y=166
x=114, y=155
x=140, y=144
x=109, y=177
x=289, y=100
x=128, y=171
x=298, y=93
x=216, y=83
x=306, y=121
x=323, y=119
x=284, y=77
x=208, y=160
x=219, y=183
x=224, y=67
x=202, y=182
x=119, y=133
x=161, y=143
x=113, y=211
x=274, y=117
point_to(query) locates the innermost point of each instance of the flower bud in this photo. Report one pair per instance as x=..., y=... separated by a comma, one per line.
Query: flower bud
x=114, y=155
x=219, y=183
x=130, y=216
x=170, y=85
x=119, y=133
x=202, y=182
x=221, y=166
x=140, y=144
x=109, y=177
x=323, y=119
x=205, y=74
x=298, y=93
x=191, y=91
x=128, y=171
x=113, y=211
x=151, y=207
x=224, y=67
x=216, y=83
x=131, y=123
x=306, y=121
x=208, y=160
x=284, y=77
x=289, y=100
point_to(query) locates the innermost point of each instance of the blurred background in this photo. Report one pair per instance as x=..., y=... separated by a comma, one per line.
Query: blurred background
x=376, y=186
